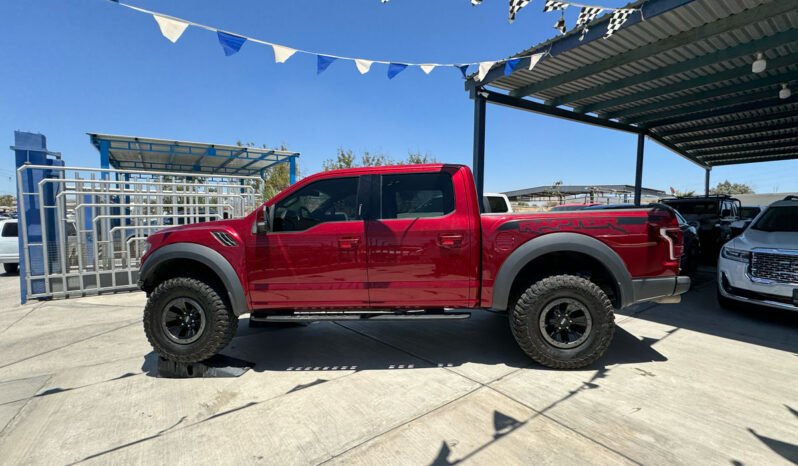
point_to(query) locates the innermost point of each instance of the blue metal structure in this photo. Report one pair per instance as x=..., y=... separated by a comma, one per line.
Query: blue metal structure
x=31, y=149
x=136, y=153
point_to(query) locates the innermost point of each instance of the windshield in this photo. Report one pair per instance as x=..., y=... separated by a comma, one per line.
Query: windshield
x=782, y=218
x=749, y=212
x=695, y=208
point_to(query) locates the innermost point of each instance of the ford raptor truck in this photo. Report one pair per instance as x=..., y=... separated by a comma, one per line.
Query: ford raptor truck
x=408, y=243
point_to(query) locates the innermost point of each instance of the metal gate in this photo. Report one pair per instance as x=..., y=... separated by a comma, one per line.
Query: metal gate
x=82, y=230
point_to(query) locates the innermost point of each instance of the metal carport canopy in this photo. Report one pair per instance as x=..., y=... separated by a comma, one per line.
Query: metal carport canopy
x=678, y=72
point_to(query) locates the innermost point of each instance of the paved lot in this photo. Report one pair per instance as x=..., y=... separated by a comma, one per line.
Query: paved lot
x=688, y=383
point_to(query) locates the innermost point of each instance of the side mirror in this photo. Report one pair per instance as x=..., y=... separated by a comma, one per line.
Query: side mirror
x=265, y=225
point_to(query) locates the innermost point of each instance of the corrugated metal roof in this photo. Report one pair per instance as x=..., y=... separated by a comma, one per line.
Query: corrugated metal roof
x=683, y=75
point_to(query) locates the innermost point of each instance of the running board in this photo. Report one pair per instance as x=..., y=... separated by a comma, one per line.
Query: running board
x=312, y=317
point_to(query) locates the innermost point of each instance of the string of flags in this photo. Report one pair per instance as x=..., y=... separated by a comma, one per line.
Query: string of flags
x=172, y=28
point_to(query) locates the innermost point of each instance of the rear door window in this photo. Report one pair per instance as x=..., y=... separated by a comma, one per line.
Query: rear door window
x=416, y=195
x=10, y=230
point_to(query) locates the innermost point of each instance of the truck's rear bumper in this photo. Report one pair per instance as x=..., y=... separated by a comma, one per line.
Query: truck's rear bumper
x=650, y=289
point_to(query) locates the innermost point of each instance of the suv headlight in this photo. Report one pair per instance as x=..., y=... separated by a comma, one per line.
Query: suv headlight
x=736, y=254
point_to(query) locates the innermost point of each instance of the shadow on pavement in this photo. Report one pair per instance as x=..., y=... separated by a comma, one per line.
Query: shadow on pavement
x=699, y=311
x=327, y=346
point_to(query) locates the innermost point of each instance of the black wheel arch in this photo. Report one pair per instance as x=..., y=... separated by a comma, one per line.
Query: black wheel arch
x=570, y=251
x=194, y=260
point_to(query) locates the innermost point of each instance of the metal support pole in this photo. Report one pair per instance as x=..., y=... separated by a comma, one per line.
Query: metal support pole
x=291, y=170
x=105, y=147
x=706, y=182
x=641, y=139
x=478, y=165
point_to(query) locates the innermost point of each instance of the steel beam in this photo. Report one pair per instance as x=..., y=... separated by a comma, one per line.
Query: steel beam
x=730, y=53
x=641, y=139
x=680, y=132
x=531, y=106
x=730, y=23
x=768, y=142
x=785, y=148
x=706, y=181
x=675, y=149
x=699, y=96
x=715, y=112
x=478, y=165
x=787, y=155
x=291, y=170
x=702, y=107
x=749, y=134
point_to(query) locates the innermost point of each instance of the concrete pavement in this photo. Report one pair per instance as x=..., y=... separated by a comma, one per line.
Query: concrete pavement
x=686, y=384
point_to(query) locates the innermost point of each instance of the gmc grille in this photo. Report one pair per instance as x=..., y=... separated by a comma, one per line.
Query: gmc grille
x=777, y=267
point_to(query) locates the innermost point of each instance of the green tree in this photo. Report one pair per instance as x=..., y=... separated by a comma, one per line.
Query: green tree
x=348, y=159
x=731, y=188
x=7, y=200
x=685, y=193
x=275, y=178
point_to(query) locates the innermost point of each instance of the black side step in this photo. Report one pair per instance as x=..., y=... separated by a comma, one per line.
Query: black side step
x=312, y=317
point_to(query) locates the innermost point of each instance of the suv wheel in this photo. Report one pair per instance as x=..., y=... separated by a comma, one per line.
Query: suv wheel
x=563, y=322
x=186, y=320
x=10, y=268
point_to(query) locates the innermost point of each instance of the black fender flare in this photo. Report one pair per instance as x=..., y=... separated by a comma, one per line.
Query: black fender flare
x=204, y=255
x=560, y=242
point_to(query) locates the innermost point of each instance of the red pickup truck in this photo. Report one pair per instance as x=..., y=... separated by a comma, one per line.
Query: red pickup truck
x=408, y=243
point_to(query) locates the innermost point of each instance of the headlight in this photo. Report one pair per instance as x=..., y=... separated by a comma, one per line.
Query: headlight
x=736, y=254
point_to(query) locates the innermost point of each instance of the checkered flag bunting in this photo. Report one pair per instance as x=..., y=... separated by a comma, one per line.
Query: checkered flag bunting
x=516, y=5
x=618, y=18
x=552, y=5
x=560, y=25
x=586, y=15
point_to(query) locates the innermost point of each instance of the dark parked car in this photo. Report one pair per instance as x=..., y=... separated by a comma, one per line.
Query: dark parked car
x=691, y=256
x=714, y=216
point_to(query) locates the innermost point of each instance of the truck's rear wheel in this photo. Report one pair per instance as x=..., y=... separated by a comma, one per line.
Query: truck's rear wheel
x=187, y=320
x=10, y=268
x=563, y=321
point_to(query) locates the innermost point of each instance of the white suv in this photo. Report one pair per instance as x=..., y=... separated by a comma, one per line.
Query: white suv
x=9, y=245
x=761, y=265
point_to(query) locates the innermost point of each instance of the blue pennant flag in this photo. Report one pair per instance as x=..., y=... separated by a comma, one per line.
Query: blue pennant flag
x=464, y=70
x=509, y=67
x=395, y=68
x=322, y=62
x=230, y=43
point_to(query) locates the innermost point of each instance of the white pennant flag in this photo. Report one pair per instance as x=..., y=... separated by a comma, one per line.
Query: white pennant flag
x=427, y=68
x=363, y=65
x=534, y=59
x=484, y=67
x=172, y=29
x=281, y=54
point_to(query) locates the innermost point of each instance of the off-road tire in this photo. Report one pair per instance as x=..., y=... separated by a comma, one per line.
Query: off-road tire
x=220, y=322
x=11, y=268
x=525, y=318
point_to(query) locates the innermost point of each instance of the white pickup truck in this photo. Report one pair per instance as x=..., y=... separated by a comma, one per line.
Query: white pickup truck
x=495, y=203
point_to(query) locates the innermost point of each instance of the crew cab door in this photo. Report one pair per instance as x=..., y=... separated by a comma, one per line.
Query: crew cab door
x=420, y=242
x=315, y=255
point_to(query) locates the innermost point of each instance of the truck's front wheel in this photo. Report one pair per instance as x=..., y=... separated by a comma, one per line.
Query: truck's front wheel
x=563, y=321
x=186, y=320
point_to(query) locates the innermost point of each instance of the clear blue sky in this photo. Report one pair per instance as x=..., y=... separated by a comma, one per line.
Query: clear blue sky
x=92, y=66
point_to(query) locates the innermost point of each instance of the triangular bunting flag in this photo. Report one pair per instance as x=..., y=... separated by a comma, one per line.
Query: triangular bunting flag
x=560, y=25
x=516, y=5
x=534, y=59
x=395, y=68
x=552, y=5
x=363, y=65
x=464, y=70
x=230, y=43
x=281, y=53
x=510, y=65
x=322, y=62
x=172, y=29
x=586, y=15
x=616, y=21
x=476, y=2
x=484, y=67
x=427, y=68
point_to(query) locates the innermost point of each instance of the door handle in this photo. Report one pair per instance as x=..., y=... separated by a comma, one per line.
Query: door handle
x=347, y=242
x=450, y=240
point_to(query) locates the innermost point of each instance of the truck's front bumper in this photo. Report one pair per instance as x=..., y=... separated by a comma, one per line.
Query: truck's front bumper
x=660, y=289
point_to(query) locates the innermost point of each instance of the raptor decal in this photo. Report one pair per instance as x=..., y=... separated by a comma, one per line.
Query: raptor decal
x=548, y=225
